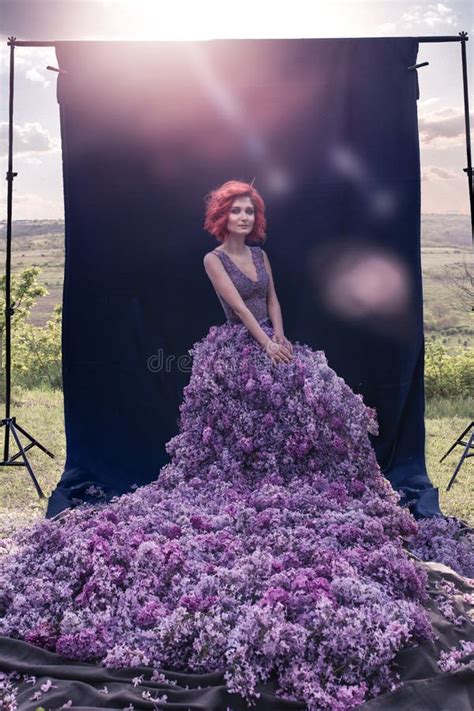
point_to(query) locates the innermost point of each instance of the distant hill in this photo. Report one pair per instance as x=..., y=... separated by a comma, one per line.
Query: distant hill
x=446, y=230
x=451, y=230
x=32, y=228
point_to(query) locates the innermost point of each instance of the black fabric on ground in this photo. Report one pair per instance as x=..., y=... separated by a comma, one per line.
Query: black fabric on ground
x=424, y=687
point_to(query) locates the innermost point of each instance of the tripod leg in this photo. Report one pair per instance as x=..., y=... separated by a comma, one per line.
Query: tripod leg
x=463, y=457
x=456, y=442
x=35, y=441
x=27, y=464
x=6, y=441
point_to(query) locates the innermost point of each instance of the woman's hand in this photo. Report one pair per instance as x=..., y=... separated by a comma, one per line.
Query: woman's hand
x=282, y=340
x=279, y=349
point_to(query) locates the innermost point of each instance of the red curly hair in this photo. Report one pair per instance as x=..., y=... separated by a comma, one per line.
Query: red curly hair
x=218, y=204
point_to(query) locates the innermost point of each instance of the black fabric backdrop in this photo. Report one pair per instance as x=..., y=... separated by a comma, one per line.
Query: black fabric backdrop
x=328, y=127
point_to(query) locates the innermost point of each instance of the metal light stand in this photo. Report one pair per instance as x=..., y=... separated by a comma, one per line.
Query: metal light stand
x=11, y=426
x=469, y=169
x=469, y=172
x=463, y=38
x=466, y=453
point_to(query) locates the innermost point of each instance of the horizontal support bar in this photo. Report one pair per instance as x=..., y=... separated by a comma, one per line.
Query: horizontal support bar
x=27, y=43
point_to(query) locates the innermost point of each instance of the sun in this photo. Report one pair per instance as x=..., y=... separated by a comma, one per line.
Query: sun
x=155, y=20
x=184, y=20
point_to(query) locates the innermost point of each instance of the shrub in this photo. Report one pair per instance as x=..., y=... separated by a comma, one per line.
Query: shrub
x=448, y=375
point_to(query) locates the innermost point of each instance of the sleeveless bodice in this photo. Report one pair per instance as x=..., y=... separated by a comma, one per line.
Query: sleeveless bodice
x=254, y=293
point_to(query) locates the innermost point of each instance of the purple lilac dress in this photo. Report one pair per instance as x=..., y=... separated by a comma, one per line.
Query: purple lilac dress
x=270, y=547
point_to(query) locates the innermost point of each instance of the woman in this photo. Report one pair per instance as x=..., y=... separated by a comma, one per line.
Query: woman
x=244, y=303
x=269, y=548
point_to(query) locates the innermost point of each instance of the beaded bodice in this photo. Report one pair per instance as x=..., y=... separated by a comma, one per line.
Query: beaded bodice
x=254, y=293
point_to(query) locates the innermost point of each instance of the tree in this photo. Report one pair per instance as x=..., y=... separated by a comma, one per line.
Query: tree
x=36, y=351
x=459, y=281
x=24, y=291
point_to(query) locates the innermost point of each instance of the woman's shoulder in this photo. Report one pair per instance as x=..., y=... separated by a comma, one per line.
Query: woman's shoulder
x=258, y=249
x=262, y=252
x=212, y=252
x=213, y=259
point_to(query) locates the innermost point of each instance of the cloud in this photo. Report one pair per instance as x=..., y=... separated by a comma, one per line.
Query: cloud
x=34, y=75
x=433, y=16
x=443, y=128
x=28, y=139
x=423, y=103
x=433, y=173
x=30, y=63
x=417, y=18
x=31, y=206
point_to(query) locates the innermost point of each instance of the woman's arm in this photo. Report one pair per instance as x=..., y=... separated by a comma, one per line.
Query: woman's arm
x=273, y=305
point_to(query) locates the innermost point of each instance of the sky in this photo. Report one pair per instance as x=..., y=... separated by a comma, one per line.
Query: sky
x=37, y=142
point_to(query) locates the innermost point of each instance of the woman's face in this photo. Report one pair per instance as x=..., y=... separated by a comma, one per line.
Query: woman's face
x=241, y=217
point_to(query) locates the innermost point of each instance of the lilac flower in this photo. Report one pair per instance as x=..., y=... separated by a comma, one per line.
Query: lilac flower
x=454, y=658
x=439, y=538
x=48, y=685
x=8, y=691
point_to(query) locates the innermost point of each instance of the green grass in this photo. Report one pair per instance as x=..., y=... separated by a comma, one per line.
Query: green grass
x=439, y=408
x=40, y=412
x=441, y=432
